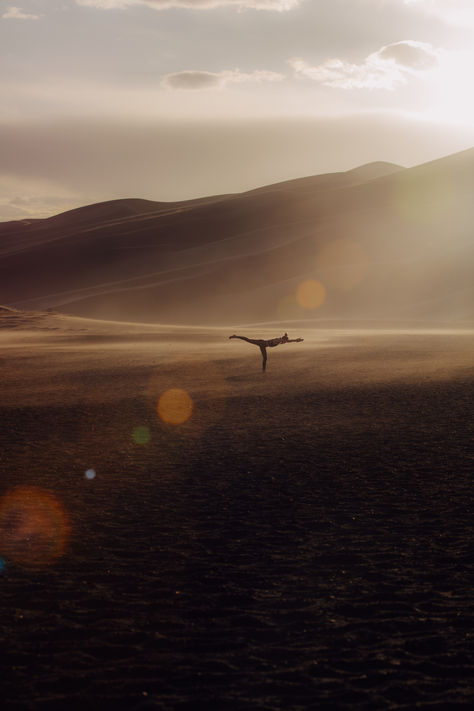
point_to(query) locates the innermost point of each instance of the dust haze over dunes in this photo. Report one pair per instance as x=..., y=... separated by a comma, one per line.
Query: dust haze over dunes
x=376, y=242
x=178, y=529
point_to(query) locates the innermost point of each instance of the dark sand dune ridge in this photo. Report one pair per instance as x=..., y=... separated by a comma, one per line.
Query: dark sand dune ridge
x=384, y=242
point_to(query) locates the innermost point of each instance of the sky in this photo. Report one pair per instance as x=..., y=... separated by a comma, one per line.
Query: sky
x=176, y=99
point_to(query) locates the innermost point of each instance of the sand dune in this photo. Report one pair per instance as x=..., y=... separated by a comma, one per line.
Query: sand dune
x=385, y=242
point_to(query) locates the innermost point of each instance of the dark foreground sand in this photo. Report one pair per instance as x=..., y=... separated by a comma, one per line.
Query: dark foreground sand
x=303, y=541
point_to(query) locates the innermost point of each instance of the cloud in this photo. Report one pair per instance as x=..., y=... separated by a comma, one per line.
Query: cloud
x=16, y=13
x=383, y=69
x=409, y=55
x=456, y=12
x=276, y=5
x=192, y=80
x=195, y=79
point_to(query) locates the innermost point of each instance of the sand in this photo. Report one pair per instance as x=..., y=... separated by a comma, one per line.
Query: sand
x=384, y=242
x=302, y=541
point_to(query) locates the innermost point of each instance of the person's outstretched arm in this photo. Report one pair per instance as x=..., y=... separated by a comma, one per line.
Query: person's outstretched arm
x=295, y=340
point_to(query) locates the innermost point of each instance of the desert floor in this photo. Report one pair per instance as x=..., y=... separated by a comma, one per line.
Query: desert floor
x=303, y=540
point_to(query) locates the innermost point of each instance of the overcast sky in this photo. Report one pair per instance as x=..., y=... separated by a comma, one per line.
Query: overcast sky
x=172, y=99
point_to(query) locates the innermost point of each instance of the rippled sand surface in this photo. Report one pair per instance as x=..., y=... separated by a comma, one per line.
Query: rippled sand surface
x=303, y=540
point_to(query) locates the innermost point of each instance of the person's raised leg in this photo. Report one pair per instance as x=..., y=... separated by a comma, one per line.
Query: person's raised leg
x=249, y=340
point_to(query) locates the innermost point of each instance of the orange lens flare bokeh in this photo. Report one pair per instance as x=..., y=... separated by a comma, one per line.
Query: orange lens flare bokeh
x=34, y=527
x=175, y=406
x=311, y=294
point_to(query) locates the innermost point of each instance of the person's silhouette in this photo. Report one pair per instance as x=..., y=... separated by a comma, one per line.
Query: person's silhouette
x=263, y=345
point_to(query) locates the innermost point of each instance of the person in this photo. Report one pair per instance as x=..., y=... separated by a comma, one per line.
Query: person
x=271, y=343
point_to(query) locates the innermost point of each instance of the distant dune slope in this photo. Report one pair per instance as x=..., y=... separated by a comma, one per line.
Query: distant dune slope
x=378, y=241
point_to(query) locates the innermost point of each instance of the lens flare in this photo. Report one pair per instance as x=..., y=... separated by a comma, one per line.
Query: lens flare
x=423, y=201
x=343, y=264
x=175, y=406
x=90, y=474
x=311, y=294
x=34, y=527
x=190, y=392
x=141, y=435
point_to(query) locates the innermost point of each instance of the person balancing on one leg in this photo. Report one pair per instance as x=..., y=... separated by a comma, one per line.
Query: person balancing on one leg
x=263, y=345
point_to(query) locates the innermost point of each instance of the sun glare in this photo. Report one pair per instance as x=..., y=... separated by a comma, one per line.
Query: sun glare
x=453, y=98
x=423, y=202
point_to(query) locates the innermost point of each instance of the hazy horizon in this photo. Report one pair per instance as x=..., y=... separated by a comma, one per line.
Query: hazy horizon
x=171, y=100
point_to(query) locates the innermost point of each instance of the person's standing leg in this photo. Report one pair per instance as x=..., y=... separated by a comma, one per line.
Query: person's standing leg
x=264, y=357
